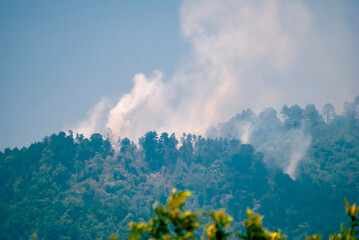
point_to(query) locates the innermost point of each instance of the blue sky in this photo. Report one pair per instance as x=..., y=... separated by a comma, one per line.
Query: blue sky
x=92, y=65
x=58, y=58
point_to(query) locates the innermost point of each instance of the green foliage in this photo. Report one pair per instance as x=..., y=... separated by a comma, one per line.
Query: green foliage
x=256, y=231
x=314, y=237
x=169, y=221
x=328, y=113
x=293, y=116
x=353, y=232
x=113, y=237
x=172, y=222
x=217, y=229
x=71, y=187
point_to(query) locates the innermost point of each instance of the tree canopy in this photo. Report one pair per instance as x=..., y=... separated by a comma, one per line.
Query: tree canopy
x=71, y=187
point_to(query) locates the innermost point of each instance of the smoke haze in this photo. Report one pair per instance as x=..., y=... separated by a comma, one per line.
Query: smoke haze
x=282, y=147
x=245, y=54
x=96, y=117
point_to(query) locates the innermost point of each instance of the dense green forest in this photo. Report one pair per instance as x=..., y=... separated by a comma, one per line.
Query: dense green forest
x=172, y=221
x=296, y=172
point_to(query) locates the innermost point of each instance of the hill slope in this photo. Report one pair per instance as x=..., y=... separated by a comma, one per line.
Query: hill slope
x=70, y=187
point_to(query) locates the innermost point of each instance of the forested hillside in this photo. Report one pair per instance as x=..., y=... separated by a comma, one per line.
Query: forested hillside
x=295, y=172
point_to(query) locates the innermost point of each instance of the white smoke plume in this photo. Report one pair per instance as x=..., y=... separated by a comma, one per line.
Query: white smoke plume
x=282, y=147
x=298, y=144
x=228, y=43
x=96, y=117
x=246, y=54
x=140, y=108
x=245, y=129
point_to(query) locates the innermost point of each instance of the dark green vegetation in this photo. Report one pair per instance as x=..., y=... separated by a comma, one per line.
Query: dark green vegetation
x=70, y=187
x=173, y=221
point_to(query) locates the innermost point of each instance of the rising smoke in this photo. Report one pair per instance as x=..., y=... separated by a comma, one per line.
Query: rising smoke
x=95, y=119
x=282, y=147
x=246, y=54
